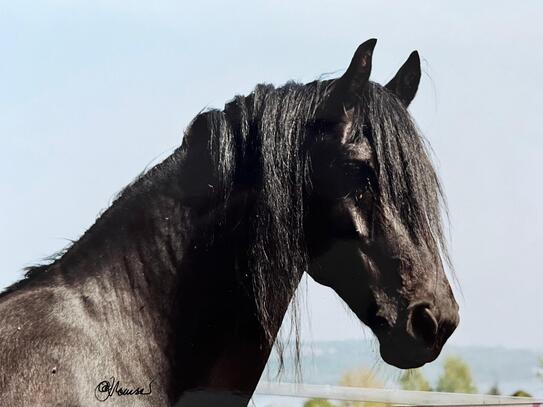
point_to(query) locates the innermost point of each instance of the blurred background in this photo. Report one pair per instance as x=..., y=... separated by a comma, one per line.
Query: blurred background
x=94, y=92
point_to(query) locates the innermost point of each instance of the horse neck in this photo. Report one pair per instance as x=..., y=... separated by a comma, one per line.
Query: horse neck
x=131, y=256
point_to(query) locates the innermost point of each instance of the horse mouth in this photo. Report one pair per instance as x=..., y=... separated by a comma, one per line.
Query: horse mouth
x=404, y=356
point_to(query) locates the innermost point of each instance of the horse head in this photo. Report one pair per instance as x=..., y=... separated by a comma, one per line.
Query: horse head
x=373, y=223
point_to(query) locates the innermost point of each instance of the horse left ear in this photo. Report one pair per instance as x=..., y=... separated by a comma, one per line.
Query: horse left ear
x=347, y=89
x=406, y=82
x=358, y=72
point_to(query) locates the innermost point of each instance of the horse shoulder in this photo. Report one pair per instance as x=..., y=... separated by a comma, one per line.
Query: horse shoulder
x=42, y=338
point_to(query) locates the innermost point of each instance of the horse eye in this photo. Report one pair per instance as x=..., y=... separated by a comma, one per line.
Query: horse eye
x=365, y=195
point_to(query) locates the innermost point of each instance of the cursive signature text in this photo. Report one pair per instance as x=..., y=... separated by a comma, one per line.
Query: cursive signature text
x=112, y=387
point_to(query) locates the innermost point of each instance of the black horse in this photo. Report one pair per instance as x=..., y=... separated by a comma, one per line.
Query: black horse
x=176, y=294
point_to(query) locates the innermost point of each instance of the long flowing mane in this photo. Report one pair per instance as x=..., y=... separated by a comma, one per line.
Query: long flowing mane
x=269, y=131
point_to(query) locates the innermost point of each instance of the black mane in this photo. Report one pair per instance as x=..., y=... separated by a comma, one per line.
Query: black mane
x=269, y=130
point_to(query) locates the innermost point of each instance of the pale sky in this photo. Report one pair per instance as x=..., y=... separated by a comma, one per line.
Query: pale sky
x=92, y=92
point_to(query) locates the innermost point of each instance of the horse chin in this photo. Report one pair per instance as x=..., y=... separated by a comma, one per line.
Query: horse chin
x=401, y=362
x=406, y=357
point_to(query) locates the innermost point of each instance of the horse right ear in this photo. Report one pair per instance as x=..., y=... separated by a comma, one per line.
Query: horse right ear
x=406, y=82
x=347, y=89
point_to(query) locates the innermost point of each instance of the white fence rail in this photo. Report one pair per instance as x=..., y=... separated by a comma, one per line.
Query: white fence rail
x=390, y=396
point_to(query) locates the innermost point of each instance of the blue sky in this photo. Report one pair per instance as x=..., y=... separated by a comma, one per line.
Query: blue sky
x=92, y=92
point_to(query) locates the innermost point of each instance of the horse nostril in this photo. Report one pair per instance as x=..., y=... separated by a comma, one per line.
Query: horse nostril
x=424, y=324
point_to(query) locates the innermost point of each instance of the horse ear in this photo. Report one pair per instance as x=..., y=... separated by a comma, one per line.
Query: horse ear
x=406, y=82
x=348, y=88
x=358, y=72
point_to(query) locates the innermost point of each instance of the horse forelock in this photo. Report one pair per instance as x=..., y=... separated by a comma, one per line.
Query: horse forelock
x=408, y=182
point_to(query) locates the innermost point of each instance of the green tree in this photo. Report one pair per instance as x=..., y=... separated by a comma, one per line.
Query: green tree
x=318, y=403
x=413, y=379
x=456, y=377
x=521, y=393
